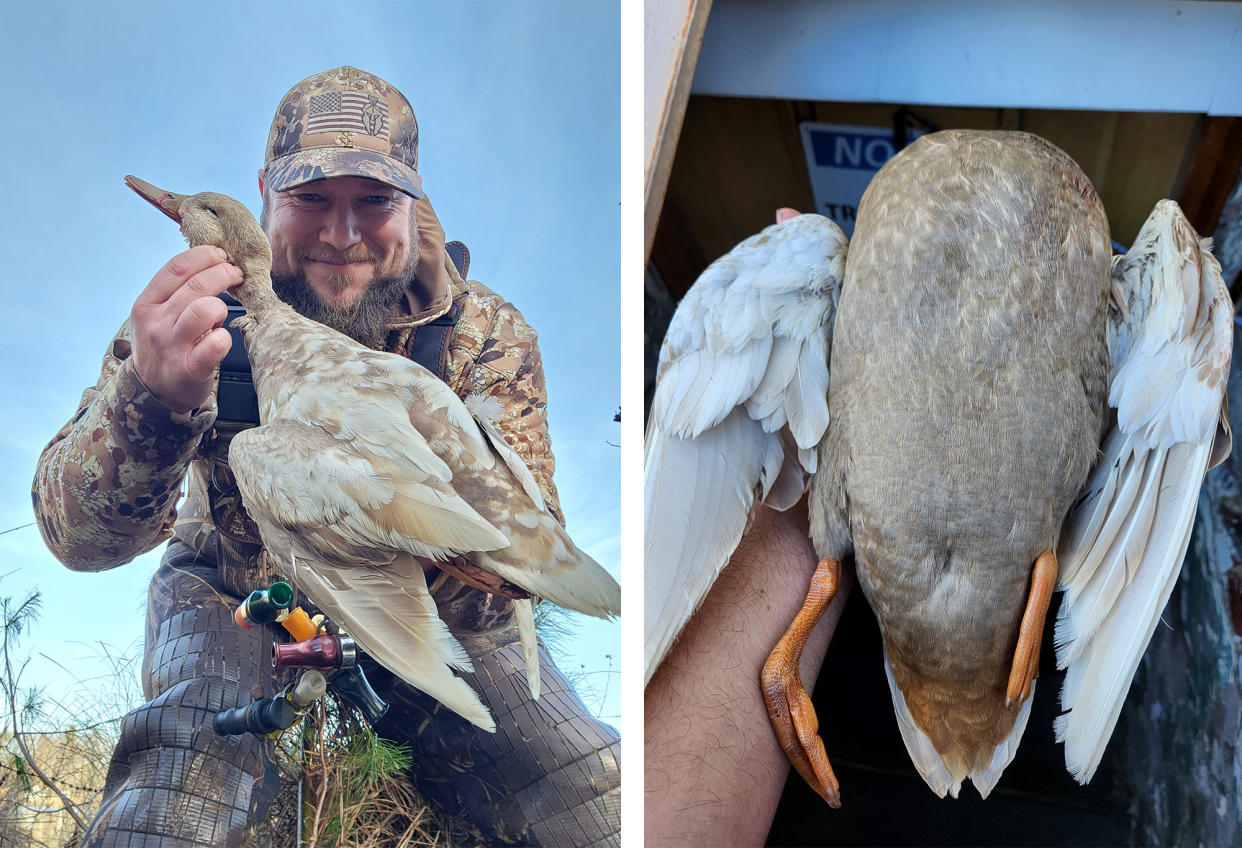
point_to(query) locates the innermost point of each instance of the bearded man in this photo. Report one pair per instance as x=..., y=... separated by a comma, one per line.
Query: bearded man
x=356, y=245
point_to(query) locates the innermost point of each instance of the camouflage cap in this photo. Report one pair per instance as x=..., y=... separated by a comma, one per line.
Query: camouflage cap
x=343, y=123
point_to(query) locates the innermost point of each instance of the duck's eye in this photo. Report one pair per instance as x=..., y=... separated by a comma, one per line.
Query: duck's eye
x=212, y=211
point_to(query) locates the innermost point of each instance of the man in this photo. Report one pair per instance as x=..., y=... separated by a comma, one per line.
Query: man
x=356, y=245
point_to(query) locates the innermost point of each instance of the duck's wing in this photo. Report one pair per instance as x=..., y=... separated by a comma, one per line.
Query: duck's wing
x=492, y=477
x=486, y=411
x=1170, y=338
x=350, y=495
x=745, y=355
x=390, y=612
x=345, y=518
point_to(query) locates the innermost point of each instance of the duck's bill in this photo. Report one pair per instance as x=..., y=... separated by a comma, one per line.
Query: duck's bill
x=165, y=201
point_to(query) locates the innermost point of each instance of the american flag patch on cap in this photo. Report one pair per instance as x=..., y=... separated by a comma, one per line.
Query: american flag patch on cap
x=348, y=111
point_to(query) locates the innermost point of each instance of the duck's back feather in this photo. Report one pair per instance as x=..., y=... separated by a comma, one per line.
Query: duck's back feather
x=968, y=388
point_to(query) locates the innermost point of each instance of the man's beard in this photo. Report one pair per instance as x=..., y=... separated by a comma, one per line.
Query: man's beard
x=366, y=321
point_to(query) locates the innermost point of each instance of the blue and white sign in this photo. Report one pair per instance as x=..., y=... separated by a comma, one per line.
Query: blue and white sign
x=841, y=161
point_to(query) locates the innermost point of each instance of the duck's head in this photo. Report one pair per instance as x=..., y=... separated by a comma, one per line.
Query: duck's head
x=212, y=218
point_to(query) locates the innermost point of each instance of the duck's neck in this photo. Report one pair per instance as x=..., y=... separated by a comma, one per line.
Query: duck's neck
x=255, y=293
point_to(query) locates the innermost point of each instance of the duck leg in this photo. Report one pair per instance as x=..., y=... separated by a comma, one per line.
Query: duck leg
x=789, y=706
x=1026, y=654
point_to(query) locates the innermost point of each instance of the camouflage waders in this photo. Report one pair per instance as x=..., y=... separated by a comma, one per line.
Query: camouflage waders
x=549, y=776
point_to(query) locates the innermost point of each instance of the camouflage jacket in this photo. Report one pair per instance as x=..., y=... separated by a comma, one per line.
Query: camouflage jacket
x=107, y=486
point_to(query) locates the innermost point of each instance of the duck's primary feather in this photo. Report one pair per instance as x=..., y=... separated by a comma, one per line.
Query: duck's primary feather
x=1170, y=342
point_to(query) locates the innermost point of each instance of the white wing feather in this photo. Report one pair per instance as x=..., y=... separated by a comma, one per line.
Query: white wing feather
x=486, y=412
x=1170, y=340
x=359, y=514
x=524, y=612
x=389, y=611
x=400, y=498
x=745, y=354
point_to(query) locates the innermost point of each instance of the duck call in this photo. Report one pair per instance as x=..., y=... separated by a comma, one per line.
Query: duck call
x=262, y=716
x=325, y=652
x=262, y=606
x=352, y=685
x=299, y=624
x=309, y=688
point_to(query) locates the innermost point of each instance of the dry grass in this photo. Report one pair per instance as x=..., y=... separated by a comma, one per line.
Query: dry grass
x=55, y=754
x=32, y=814
x=351, y=783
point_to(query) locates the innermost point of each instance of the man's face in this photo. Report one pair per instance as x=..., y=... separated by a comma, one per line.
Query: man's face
x=341, y=233
x=343, y=250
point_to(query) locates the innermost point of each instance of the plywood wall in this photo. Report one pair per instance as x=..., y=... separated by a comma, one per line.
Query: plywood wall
x=740, y=159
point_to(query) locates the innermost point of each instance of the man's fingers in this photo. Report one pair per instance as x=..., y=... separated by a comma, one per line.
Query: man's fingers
x=198, y=331
x=207, y=353
x=198, y=317
x=207, y=283
x=174, y=323
x=177, y=271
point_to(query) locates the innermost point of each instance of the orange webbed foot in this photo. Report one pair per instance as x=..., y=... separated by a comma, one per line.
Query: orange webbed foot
x=789, y=706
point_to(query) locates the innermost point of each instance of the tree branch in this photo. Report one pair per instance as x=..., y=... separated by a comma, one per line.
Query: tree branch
x=10, y=685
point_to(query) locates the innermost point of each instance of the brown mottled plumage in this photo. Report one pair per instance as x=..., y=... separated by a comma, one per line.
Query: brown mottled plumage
x=365, y=460
x=948, y=290
x=998, y=390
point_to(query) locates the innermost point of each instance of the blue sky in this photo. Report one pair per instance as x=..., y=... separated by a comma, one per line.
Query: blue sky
x=517, y=105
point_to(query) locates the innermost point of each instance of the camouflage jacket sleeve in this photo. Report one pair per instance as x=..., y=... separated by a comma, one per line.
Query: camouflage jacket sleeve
x=106, y=486
x=505, y=363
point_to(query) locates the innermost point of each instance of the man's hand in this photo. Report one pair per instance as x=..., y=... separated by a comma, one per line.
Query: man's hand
x=177, y=327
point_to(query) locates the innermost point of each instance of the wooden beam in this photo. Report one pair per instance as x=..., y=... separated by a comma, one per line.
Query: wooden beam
x=1213, y=173
x=672, y=34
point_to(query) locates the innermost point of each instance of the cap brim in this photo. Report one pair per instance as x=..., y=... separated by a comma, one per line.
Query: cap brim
x=306, y=166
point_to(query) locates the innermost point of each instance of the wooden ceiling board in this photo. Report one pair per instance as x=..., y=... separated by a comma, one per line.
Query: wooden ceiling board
x=739, y=159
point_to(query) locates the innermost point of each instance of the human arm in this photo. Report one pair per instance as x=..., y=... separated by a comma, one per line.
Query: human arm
x=105, y=487
x=505, y=364
x=714, y=770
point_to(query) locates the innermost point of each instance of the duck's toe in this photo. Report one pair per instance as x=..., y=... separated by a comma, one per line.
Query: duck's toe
x=789, y=706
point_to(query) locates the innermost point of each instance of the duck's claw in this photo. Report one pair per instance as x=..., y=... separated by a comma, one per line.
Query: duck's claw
x=1026, y=654
x=789, y=706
